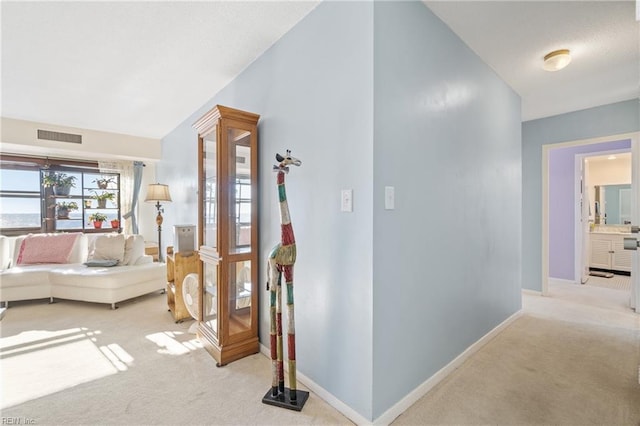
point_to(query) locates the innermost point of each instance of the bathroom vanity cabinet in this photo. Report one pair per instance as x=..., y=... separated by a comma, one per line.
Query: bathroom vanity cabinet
x=607, y=252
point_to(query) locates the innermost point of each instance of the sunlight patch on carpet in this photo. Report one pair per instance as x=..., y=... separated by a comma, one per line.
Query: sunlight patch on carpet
x=33, y=339
x=38, y=363
x=170, y=343
x=118, y=356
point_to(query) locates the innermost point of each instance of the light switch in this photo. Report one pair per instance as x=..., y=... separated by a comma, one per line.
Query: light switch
x=389, y=198
x=347, y=200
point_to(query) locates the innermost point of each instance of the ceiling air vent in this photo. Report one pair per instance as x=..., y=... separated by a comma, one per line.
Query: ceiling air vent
x=59, y=137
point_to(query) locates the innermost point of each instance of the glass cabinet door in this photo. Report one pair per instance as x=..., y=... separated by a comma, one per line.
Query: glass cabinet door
x=239, y=175
x=209, y=220
x=239, y=238
x=228, y=218
x=210, y=297
x=210, y=189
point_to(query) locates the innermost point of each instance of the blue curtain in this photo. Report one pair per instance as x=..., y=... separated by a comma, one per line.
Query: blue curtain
x=137, y=182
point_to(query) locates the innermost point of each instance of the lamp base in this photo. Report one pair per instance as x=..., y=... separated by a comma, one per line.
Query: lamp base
x=159, y=220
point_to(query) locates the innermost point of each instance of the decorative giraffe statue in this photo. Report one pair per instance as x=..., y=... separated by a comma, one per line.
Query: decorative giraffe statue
x=281, y=260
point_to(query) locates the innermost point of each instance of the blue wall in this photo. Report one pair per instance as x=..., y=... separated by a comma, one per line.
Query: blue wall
x=447, y=259
x=384, y=298
x=613, y=119
x=314, y=92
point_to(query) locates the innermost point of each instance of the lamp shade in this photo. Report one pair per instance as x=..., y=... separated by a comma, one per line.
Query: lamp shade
x=157, y=192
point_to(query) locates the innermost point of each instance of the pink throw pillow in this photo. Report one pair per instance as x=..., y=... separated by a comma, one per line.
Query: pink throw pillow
x=46, y=248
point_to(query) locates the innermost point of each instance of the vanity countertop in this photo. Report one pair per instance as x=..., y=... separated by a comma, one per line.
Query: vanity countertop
x=611, y=229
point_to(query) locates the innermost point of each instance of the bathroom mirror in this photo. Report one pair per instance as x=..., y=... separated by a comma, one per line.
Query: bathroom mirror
x=612, y=204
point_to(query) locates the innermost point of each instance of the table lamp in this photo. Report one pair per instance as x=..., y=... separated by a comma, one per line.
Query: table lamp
x=157, y=192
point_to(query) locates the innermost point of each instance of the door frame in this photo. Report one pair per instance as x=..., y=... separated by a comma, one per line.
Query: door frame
x=635, y=204
x=581, y=197
x=579, y=227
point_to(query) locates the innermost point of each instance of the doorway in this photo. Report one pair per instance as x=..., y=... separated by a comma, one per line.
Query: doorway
x=603, y=218
x=562, y=235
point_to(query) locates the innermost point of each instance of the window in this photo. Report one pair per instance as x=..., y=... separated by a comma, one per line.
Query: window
x=31, y=200
x=20, y=199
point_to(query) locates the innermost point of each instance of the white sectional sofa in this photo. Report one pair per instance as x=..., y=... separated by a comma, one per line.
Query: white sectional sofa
x=52, y=266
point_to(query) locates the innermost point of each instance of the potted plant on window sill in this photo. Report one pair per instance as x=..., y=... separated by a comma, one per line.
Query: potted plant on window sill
x=103, y=197
x=61, y=183
x=104, y=181
x=63, y=208
x=97, y=219
x=115, y=223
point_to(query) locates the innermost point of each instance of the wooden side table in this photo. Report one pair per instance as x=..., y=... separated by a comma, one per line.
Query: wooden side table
x=151, y=249
x=178, y=267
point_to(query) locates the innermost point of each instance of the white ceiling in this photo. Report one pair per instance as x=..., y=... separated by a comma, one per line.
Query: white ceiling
x=138, y=68
x=618, y=160
x=512, y=37
x=141, y=68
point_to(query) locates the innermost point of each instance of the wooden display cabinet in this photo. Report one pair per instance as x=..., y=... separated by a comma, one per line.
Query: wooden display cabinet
x=178, y=267
x=228, y=233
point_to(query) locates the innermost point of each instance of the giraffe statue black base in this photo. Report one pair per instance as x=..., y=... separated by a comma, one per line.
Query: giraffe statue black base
x=281, y=261
x=283, y=399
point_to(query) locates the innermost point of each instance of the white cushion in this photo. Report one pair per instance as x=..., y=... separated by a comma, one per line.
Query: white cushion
x=109, y=247
x=133, y=249
x=24, y=283
x=116, y=277
x=144, y=259
x=26, y=275
x=79, y=253
x=17, y=243
x=5, y=253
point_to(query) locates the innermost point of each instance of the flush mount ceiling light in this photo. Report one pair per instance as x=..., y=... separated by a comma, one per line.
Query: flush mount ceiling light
x=557, y=60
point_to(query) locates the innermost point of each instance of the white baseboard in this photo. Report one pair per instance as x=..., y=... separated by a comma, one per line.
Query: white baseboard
x=401, y=406
x=561, y=281
x=531, y=292
x=327, y=396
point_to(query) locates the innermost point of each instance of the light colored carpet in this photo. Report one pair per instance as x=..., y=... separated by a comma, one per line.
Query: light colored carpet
x=81, y=363
x=571, y=359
